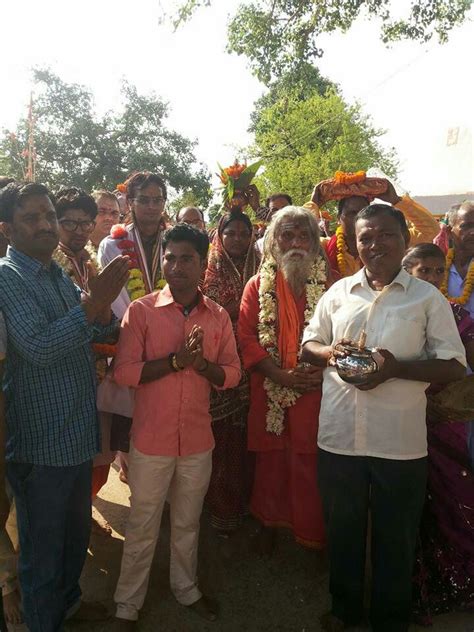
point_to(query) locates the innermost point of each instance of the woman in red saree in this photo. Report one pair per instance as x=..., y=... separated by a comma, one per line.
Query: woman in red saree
x=232, y=261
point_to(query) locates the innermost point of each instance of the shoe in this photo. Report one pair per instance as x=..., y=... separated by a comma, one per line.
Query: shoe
x=330, y=623
x=204, y=608
x=90, y=611
x=122, y=625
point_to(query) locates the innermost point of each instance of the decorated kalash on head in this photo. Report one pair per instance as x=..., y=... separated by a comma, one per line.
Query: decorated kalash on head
x=238, y=192
x=353, y=192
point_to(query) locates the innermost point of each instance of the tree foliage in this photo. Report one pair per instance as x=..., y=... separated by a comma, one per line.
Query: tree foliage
x=304, y=136
x=76, y=146
x=276, y=35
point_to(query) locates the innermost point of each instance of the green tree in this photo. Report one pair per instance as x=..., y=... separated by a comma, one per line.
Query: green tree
x=186, y=198
x=276, y=35
x=76, y=146
x=303, y=139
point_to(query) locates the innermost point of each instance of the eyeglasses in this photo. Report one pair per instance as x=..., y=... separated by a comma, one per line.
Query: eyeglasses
x=145, y=199
x=71, y=225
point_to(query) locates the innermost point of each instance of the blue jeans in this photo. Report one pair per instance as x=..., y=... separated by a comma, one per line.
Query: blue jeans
x=54, y=518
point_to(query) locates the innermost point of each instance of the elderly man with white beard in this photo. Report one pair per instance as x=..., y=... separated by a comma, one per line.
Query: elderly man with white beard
x=285, y=394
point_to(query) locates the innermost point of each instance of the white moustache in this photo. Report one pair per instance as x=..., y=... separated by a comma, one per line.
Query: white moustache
x=295, y=251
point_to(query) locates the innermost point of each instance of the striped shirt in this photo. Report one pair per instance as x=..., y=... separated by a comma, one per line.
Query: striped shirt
x=50, y=383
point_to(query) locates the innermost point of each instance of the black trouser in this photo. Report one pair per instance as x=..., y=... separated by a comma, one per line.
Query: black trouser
x=395, y=490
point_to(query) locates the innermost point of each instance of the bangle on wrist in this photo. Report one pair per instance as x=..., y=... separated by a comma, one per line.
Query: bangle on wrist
x=174, y=363
x=170, y=362
x=204, y=368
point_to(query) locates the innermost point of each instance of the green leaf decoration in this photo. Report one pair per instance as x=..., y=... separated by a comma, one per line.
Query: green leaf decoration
x=246, y=177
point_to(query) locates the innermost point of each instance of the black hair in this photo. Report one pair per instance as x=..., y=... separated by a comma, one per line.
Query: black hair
x=386, y=209
x=274, y=196
x=341, y=203
x=185, y=232
x=14, y=194
x=234, y=216
x=142, y=179
x=421, y=251
x=73, y=198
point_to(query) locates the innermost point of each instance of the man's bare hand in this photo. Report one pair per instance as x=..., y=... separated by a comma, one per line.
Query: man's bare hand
x=388, y=366
x=106, y=286
x=191, y=348
x=338, y=351
x=316, y=196
x=302, y=378
x=390, y=195
x=253, y=196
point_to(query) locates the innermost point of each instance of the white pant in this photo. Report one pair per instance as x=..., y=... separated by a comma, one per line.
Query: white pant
x=150, y=478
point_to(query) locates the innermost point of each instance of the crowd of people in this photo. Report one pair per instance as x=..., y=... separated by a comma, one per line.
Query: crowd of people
x=206, y=363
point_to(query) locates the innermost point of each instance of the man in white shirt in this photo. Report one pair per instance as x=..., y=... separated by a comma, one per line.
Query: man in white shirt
x=372, y=438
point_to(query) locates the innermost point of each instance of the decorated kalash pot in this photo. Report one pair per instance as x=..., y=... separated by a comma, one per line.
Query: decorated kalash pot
x=358, y=362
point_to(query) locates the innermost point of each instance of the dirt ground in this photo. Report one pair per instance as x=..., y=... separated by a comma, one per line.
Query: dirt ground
x=285, y=593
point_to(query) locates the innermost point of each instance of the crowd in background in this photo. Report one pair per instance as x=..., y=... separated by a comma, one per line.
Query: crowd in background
x=205, y=362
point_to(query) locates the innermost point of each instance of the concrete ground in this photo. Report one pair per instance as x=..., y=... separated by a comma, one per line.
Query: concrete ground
x=285, y=593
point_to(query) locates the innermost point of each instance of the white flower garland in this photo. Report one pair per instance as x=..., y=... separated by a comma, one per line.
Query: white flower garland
x=281, y=397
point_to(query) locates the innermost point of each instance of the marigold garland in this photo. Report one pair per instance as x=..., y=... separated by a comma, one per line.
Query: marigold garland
x=341, y=249
x=468, y=282
x=341, y=177
x=281, y=397
x=65, y=263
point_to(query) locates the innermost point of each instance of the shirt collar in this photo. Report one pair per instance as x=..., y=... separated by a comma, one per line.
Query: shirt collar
x=165, y=297
x=360, y=278
x=30, y=264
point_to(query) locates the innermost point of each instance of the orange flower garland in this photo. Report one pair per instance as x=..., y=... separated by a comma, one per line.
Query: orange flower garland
x=468, y=282
x=341, y=177
x=341, y=249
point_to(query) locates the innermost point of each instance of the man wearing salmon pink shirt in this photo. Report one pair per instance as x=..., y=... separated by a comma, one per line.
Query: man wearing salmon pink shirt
x=175, y=345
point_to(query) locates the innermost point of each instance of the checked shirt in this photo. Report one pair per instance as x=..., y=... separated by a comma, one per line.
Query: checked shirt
x=50, y=383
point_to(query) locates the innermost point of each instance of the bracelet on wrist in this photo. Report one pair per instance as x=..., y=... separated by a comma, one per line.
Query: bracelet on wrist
x=170, y=362
x=174, y=363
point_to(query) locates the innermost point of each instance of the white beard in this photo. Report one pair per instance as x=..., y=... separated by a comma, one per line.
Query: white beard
x=296, y=270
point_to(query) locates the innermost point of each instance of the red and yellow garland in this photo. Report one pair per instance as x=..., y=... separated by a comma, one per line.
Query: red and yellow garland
x=136, y=284
x=468, y=282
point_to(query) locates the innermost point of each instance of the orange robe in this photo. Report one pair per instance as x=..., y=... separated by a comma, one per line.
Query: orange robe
x=285, y=491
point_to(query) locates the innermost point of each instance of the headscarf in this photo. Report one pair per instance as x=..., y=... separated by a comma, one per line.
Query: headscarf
x=223, y=282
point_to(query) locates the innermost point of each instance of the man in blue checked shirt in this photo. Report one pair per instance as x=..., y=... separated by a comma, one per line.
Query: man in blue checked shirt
x=52, y=430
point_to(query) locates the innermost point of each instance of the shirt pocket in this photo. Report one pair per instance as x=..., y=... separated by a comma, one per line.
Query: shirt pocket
x=403, y=336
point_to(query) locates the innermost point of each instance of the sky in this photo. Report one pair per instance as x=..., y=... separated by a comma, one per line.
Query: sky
x=420, y=94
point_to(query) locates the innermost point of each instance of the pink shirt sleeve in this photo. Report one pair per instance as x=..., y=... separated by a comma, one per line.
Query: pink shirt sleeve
x=129, y=361
x=228, y=357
